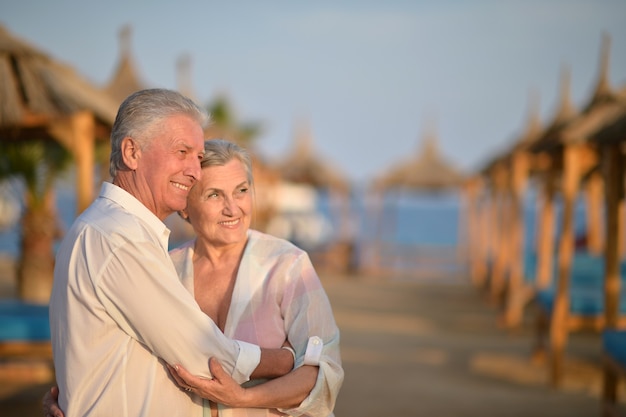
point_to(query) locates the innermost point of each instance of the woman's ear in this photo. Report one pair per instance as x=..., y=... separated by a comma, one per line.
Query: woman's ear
x=183, y=213
x=130, y=153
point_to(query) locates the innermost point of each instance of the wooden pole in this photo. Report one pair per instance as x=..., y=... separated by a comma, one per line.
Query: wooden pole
x=77, y=134
x=545, y=232
x=514, y=307
x=593, y=210
x=501, y=232
x=560, y=310
x=612, y=162
x=614, y=177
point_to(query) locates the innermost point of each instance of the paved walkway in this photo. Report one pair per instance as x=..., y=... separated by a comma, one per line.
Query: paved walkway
x=434, y=349
x=417, y=349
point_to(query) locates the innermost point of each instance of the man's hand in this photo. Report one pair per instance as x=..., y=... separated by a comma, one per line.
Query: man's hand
x=221, y=389
x=50, y=403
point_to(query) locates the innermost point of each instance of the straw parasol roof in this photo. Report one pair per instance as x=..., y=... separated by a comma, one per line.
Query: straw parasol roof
x=533, y=129
x=184, y=77
x=530, y=133
x=428, y=170
x=613, y=130
x=604, y=107
x=125, y=80
x=570, y=126
x=565, y=113
x=34, y=88
x=44, y=99
x=303, y=166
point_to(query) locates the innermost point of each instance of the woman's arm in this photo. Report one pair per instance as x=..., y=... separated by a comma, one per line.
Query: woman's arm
x=314, y=335
x=287, y=391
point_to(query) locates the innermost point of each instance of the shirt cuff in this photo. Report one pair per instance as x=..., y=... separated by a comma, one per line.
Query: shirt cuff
x=247, y=361
x=313, y=351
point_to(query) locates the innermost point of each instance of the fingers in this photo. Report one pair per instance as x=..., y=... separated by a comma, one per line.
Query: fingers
x=217, y=371
x=182, y=373
x=181, y=376
x=50, y=403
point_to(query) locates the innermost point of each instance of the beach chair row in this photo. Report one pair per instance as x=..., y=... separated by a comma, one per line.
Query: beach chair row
x=575, y=278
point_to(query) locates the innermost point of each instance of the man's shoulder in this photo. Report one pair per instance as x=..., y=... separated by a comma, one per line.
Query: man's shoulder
x=109, y=215
x=109, y=220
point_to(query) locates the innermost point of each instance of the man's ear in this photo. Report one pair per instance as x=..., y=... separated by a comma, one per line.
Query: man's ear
x=130, y=153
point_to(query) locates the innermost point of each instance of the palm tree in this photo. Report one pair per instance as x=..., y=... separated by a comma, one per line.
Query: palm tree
x=36, y=165
x=225, y=125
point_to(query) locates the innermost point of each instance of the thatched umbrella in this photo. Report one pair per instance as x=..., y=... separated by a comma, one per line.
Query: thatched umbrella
x=610, y=136
x=426, y=171
x=575, y=157
x=508, y=175
x=126, y=79
x=46, y=99
x=184, y=77
x=303, y=166
x=41, y=101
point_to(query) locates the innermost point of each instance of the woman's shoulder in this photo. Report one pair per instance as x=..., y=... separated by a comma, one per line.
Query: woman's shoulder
x=264, y=242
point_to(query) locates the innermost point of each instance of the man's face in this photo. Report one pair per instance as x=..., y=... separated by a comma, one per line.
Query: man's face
x=220, y=204
x=169, y=165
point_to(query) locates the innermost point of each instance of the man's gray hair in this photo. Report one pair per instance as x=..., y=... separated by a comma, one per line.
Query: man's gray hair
x=140, y=117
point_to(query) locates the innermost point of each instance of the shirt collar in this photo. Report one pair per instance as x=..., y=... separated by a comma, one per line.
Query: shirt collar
x=132, y=205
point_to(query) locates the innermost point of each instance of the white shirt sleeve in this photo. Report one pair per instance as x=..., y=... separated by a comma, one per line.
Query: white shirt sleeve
x=314, y=336
x=139, y=288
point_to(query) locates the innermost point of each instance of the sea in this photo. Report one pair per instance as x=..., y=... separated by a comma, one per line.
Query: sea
x=404, y=221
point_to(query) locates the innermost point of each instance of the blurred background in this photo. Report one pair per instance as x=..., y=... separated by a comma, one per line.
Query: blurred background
x=385, y=134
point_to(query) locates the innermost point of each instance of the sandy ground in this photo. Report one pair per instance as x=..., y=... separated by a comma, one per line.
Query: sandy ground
x=413, y=347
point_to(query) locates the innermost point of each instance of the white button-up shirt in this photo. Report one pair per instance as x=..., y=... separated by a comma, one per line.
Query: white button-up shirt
x=117, y=306
x=278, y=296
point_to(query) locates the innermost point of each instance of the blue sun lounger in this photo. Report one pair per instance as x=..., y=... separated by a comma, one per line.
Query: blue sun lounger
x=586, y=306
x=24, y=330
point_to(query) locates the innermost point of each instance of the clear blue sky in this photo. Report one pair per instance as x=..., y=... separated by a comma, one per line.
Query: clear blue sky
x=367, y=76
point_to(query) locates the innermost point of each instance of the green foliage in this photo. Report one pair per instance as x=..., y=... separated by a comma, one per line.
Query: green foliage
x=224, y=120
x=36, y=163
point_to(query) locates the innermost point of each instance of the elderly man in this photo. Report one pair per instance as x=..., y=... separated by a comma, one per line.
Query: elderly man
x=118, y=312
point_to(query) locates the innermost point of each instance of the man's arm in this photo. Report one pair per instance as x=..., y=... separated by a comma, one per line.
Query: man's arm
x=143, y=294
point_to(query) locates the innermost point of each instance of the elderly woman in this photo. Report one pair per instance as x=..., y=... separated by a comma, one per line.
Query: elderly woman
x=259, y=289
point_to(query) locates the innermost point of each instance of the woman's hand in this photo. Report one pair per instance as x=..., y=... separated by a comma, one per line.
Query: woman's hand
x=221, y=389
x=50, y=403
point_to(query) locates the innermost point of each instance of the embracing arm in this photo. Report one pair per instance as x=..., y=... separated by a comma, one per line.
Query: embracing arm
x=284, y=392
x=166, y=318
x=273, y=363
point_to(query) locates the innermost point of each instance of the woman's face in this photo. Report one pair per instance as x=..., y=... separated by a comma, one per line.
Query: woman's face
x=220, y=204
